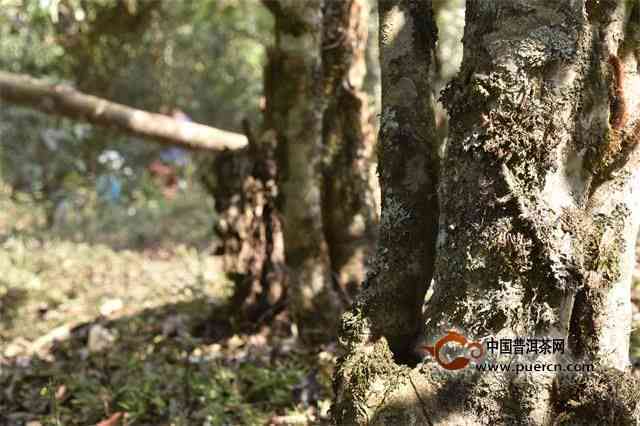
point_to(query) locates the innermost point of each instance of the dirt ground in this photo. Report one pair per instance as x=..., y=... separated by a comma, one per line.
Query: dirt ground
x=114, y=318
x=118, y=317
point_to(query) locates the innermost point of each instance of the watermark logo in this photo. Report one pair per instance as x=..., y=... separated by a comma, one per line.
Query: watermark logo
x=472, y=351
x=519, y=354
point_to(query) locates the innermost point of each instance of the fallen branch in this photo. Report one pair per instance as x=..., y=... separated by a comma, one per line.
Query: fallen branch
x=65, y=101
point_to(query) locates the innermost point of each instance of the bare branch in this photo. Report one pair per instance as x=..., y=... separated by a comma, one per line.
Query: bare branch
x=65, y=101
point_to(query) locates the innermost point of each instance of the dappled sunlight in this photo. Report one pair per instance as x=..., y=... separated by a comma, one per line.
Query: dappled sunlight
x=413, y=210
x=142, y=332
x=66, y=279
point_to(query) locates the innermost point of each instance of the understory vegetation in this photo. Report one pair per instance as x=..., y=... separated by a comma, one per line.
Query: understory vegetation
x=106, y=317
x=122, y=318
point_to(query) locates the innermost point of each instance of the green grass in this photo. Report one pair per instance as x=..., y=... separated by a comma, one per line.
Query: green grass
x=150, y=285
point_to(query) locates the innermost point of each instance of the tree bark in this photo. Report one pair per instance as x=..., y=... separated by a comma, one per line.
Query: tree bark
x=537, y=227
x=294, y=109
x=318, y=118
x=65, y=101
x=408, y=165
x=249, y=227
x=349, y=206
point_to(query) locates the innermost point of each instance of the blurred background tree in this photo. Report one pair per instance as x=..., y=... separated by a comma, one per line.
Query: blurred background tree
x=136, y=52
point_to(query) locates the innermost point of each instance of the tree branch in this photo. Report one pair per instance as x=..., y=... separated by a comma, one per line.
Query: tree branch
x=65, y=101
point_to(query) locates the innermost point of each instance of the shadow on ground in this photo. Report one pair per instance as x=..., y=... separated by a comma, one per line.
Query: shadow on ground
x=179, y=364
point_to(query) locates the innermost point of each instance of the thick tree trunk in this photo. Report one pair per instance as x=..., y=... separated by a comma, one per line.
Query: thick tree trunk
x=349, y=192
x=295, y=105
x=538, y=221
x=388, y=311
x=327, y=192
x=67, y=102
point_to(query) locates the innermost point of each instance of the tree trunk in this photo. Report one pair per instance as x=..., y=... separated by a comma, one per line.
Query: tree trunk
x=408, y=164
x=536, y=234
x=349, y=203
x=294, y=109
x=326, y=190
x=249, y=227
x=67, y=102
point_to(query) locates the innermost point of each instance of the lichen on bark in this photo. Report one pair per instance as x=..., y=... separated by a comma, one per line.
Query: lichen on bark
x=391, y=301
x=532, y=239
x=407, y=168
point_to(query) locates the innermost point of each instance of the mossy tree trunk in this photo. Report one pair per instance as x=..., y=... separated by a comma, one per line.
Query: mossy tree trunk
x=324, y=197
x=349, y=202
x=294, y=110
x=408, y=164
x=537, y=226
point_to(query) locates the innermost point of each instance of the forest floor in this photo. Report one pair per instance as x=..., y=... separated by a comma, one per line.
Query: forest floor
x=107, y=319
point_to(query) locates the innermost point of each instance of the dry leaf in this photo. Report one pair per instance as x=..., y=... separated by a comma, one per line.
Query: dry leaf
x=113, y=420
x=61, y=392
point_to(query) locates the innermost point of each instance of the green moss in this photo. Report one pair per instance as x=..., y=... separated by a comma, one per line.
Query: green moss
x=388, y=120
x=365, y=377
x=602, y=394
x=605, y=244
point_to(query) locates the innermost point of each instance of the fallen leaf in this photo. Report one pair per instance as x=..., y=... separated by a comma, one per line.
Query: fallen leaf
x=99, y=339
x=61, y=392
x=57, y=334
x=113, y=420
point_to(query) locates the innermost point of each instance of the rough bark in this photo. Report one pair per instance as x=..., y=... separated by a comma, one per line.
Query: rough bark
x=294, y=108
x=349, y=191
x=249, y=228
x=319, y=120
x=65, y=101
x=408, y=164
x=388, y=311
x=537, y=228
